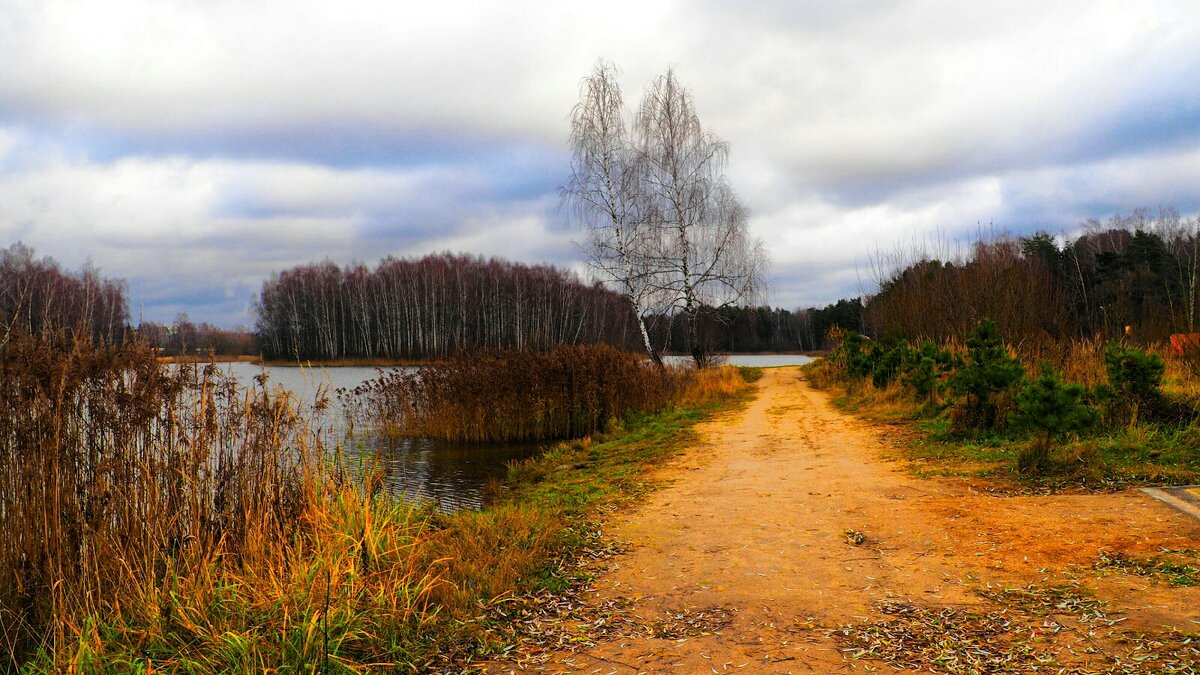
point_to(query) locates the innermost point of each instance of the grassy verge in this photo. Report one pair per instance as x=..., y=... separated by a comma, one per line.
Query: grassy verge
x=568, y=490
x=1110, y=459
x=216, y=571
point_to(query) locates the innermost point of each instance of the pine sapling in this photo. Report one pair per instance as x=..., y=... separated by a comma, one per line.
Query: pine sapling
x=1053, y=409
x=1134, y=376
x=989, y=371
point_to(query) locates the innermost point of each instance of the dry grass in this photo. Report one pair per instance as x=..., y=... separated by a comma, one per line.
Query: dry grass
x=710, y=384
x=1082, y=361
x=516, y=395
x=161, y=517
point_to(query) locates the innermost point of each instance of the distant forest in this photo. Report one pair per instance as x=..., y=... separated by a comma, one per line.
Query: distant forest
x=760, y=329
x=432, y=307
x=420, y=308
x=186, y=337
x=438, y=305
x=37, y=296
x=1136, y=275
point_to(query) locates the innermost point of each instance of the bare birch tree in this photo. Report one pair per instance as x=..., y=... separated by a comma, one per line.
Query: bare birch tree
x=705, y=252
x=663, y=224
x=605, y=193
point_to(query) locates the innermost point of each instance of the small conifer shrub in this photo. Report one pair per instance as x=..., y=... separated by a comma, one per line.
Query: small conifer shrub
x=989, y=371
x=929, y=372
x=1053, y=409
x=1134, y=378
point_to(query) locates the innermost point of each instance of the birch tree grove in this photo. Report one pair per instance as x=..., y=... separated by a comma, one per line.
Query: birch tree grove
x=663, y=225
x=605, y=194
x=434, y=306
x=37, y=296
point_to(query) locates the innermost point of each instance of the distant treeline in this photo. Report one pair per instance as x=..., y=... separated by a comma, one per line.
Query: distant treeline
x=37, y=296
x=184, y=337
x=433, y=307
x=759, y=329
x=1140, y=271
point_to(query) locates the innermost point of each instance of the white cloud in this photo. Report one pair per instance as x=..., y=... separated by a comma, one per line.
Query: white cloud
x=203, y=145
x=216, y=228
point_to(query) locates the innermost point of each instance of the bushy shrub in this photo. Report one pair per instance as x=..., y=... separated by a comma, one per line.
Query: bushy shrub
x=1134, y=379
x=988, y=371
x=888, y=363
x=1133, y=372
x=850, y=355
x=1052, y=409
x=882, y=361
x=931, y=368
x=856, y=355
x=514, y=395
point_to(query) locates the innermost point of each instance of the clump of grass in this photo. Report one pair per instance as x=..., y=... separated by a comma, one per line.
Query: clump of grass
x=1165, y=567
x=750, y=374
x=703, y=386
x=163, y=515
x=519, y=395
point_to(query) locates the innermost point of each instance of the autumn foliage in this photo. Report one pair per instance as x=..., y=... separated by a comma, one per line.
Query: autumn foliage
x=433, y=307
x=1135, y=277
x=513, y=395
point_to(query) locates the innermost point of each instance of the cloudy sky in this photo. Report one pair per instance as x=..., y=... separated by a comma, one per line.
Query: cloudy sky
x=192, y=148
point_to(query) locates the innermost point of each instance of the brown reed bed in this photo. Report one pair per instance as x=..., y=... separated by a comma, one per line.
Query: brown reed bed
x=162, y=517
x=496, y=396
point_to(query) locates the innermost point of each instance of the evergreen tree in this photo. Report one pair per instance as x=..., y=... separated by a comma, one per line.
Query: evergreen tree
x=928, y=372
x=989, y=370
x=1052, y=409
x=1134, y=377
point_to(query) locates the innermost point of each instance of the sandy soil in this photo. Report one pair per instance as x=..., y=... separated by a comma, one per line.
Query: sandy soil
x=747, y=543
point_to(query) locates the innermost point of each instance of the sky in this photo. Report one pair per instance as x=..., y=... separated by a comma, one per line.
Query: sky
x=193, y=148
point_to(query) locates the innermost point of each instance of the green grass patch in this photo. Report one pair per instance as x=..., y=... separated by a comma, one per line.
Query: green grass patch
x=1149, y=453
x=750, y=374
x=1178, y=567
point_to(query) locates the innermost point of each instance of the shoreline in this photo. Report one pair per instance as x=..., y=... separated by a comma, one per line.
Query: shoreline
x=399, y=363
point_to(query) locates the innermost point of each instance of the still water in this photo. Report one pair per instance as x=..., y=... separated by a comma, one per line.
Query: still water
x=453, y=475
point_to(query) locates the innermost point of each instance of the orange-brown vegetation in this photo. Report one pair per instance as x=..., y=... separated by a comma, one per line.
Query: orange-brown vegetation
x=569, y=392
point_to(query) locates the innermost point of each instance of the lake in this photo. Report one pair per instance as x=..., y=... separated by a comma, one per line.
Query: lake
x=453, y=475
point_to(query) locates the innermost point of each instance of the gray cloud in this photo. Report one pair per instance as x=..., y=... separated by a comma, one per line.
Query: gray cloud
x=194, y=148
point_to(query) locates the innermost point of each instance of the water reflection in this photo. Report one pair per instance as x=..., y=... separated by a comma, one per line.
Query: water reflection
x=453, y=475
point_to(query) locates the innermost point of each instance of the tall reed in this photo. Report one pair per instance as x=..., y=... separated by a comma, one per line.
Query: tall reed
x=163, y=514
x=515, y=395
x=162, y=517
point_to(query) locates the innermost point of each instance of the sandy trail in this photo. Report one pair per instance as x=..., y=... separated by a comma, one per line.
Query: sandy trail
x=753, y=523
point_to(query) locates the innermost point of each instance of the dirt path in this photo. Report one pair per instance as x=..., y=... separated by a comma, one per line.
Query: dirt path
x=743, y=562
